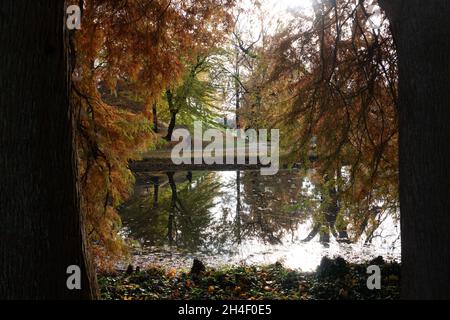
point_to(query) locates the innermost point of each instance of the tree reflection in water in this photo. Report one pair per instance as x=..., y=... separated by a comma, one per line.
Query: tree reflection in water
x=205, y=212
x=178, y=213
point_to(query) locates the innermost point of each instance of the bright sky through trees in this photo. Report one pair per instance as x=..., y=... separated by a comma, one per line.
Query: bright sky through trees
x=287, y=4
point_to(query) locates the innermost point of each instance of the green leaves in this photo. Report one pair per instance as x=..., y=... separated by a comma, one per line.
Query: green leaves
x=250, y=283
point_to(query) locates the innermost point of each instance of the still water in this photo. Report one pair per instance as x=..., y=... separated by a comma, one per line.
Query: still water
x=235, y=217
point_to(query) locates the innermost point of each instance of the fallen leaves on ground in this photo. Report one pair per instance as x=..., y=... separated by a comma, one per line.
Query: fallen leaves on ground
x=334, y=279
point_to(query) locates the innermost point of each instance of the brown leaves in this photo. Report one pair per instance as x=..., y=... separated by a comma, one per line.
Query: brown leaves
x=332, y=90
x=140, y=44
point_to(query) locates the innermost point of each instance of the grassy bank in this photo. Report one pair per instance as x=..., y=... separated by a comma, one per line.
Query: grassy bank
x=333, y=279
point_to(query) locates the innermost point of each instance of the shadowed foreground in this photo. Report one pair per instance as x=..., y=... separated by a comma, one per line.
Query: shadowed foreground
x=334, y=279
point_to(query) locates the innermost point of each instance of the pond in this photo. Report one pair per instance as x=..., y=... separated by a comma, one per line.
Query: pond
x=236, y=217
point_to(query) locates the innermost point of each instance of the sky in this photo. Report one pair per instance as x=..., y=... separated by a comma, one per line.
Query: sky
x=287, y=4
x=250, y=23
x=274, y=10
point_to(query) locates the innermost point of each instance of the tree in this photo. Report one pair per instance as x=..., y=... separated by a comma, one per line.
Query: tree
x=41, y=227
x=342, y=94
x=173, y=109
x=329, y=82
x=421, y=33
x=241, y=57
x=134, y=50
x=195, y=97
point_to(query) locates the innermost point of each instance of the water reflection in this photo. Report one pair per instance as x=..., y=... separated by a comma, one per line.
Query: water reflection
x=233, y=217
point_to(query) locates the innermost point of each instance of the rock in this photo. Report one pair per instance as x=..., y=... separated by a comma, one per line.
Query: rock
x=130, y=269
x=332, y=268
x=197, y=267
x=340, y=263
x=377, y=261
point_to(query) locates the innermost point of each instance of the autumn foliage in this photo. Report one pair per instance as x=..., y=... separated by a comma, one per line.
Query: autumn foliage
x=144, y=45
x=328, y=80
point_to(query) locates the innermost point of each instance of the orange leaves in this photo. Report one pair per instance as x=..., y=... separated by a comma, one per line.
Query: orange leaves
x=136, y=47
x=331, y=88
x=107, y=138
x=172, y=273
x=144, y=41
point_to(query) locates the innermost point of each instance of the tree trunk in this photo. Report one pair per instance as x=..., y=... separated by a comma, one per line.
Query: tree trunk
x=173, y=114
x=173, y=120
x=237, y=90
x=41, y=231
x=155, y=118
x=421, y=32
